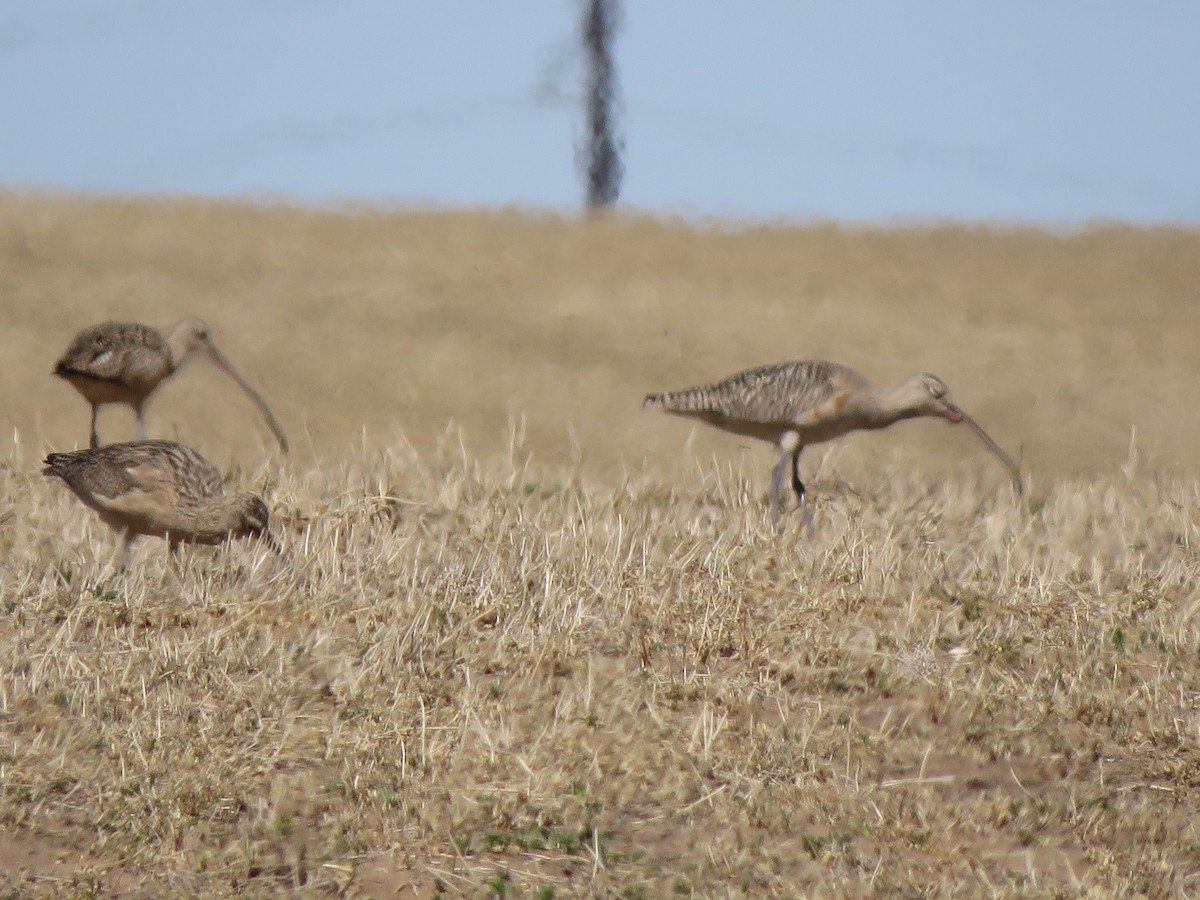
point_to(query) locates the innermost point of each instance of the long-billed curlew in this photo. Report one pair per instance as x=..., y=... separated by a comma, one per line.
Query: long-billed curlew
x=161, y=489
x=796, y=404
x=122, y=362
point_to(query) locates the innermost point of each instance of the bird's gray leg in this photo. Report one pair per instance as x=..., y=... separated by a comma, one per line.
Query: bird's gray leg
x=141, y=421
x=777, y=484
x=789, y=447
x=798, y=487
x=95, y=415
x=127, y=539
x=173, y=562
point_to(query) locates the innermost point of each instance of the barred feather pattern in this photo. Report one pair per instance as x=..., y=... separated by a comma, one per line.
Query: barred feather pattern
x=778, y=393
x=114, y=470
x=158, y=488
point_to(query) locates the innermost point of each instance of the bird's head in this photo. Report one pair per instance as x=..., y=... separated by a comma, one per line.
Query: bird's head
x=251, y=520
x=938, y=400
x=192, y=334
x=927, y=395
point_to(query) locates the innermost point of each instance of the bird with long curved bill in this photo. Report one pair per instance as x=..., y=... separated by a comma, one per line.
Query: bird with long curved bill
x=159, y=489
x=796, y=404
x=123, y=362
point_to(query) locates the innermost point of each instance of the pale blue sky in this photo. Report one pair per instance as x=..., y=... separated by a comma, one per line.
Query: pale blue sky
x=1029, y=110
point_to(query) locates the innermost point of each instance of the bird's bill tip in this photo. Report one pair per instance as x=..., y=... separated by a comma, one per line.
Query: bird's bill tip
x=1006, y=460
x=227, y=367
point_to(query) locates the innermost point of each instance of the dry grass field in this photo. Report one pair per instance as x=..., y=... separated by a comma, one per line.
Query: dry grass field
x=528, y=639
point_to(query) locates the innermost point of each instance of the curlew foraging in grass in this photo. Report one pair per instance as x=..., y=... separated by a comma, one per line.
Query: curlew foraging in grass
x=159, y=489
x=796, y=404
x=122, y=362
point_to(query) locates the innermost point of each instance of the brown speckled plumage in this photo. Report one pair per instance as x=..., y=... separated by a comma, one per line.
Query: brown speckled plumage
x=126, y=354
x=124, y=362
x=799, y=403
x=762, y=401
x=158, y=488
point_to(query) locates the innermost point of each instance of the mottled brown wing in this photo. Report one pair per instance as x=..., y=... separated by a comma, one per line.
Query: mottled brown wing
x=775, y=394
x=138, y=467
x=151, y=498
x=122, y=352
x=87, y=473
x=190, y=475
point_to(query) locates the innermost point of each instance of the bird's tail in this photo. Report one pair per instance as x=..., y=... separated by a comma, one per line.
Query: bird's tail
x=689, y=400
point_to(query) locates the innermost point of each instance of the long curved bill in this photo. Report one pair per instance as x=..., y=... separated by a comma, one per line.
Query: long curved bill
x=954, y=414
x=223, y=364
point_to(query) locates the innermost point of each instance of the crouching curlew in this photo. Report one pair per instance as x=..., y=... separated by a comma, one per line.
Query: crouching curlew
x=796, y=404
x=159, y=489
x=122, y=362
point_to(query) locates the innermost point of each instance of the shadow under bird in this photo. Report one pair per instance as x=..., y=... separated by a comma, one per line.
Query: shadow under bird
x=159, y=489
x=796, y=404
x=123, y=362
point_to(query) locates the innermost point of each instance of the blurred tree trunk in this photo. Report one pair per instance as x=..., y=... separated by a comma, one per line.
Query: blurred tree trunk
x=603, y=160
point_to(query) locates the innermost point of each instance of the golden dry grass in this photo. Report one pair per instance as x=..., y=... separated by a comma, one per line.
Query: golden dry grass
x=529, y=638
